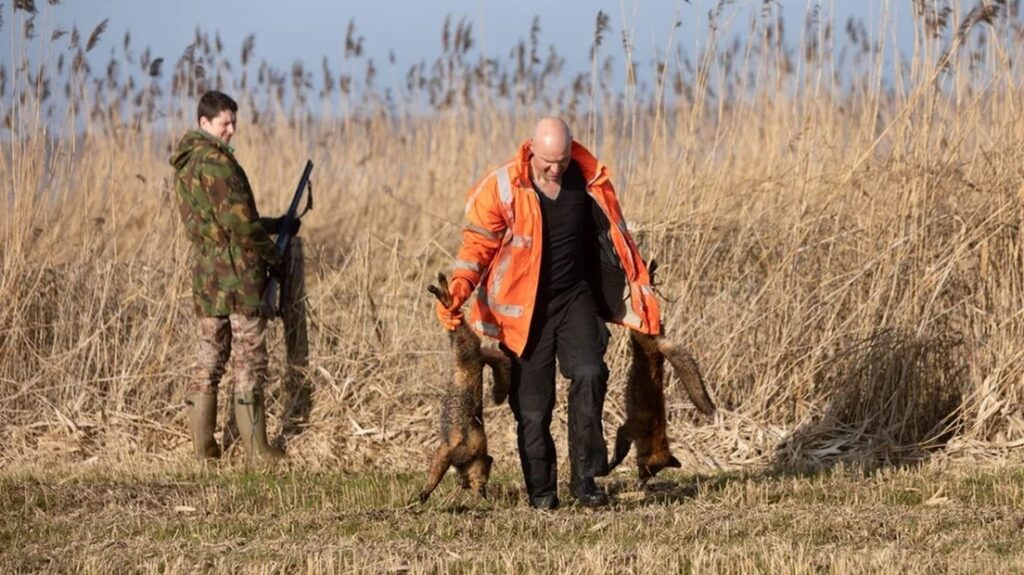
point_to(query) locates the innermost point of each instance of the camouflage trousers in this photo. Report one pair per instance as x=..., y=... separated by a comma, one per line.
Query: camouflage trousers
x=241, y=339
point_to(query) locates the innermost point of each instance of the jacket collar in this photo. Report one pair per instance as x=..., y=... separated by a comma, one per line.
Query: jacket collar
x=215, y=141
x=594, y=172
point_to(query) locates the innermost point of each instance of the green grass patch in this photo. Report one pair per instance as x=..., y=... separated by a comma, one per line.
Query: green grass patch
x=913, y=520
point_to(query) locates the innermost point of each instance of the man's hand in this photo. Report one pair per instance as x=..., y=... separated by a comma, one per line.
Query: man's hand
x=281, y=225
x=451, y=316
x=279, y=271
x=270, y=224
x=449, y=320
x=290, y=227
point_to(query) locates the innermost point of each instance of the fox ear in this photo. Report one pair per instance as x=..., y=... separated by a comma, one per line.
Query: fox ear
x=673, y=462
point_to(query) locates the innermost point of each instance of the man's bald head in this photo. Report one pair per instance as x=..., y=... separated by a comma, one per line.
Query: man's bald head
x=551, y=137
x=551, y=146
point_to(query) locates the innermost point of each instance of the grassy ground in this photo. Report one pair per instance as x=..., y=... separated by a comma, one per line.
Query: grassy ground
x=933, y=518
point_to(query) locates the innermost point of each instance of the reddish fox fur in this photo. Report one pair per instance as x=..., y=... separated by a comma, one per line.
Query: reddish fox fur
x=463, y=441
x=646, y=425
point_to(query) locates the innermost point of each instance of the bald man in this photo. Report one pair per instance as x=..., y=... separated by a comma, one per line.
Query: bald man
x=546, y=247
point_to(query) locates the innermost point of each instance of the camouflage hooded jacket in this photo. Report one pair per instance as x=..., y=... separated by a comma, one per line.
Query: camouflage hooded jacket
x=230, y=249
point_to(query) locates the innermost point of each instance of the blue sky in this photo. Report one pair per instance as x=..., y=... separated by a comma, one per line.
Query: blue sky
x=307, y=30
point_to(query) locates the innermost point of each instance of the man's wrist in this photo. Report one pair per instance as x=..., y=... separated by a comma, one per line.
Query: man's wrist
x=270, y=225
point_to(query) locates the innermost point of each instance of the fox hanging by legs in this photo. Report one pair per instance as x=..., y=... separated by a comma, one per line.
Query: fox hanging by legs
x=646, y=423
x=463, y=440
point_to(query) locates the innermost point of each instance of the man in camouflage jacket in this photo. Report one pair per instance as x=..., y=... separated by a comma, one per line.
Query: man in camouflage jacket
x=231, y=255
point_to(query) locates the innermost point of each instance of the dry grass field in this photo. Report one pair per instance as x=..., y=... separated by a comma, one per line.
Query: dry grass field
x=839, y=230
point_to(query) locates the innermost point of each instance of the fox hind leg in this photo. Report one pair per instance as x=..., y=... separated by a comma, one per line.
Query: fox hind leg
x=501, y=370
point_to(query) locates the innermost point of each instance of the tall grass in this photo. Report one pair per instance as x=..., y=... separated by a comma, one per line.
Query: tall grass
x=837, y=221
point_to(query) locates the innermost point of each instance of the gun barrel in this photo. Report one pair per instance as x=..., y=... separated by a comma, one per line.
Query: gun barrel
x=283, y=239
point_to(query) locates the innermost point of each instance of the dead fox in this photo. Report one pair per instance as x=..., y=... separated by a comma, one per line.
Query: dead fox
x=463, y=441
x=646, y=424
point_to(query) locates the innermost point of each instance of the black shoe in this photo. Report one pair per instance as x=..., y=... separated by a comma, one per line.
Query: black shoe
x=589, y=494
x=544, y=502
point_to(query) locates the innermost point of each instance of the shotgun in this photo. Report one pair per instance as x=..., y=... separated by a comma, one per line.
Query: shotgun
x=272, y=292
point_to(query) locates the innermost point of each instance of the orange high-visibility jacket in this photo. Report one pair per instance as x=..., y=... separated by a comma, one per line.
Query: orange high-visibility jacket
x=501, y=252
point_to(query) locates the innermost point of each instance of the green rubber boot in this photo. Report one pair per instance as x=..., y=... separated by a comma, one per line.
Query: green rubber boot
x=252, y=427
x=202, y=422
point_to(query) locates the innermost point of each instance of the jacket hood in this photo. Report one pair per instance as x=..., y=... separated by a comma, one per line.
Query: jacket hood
x=192, y=142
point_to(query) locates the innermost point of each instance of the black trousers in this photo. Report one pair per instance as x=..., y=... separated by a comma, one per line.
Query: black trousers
x=568, y=328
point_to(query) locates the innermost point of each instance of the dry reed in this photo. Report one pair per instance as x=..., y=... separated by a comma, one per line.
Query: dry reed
x=839, y=240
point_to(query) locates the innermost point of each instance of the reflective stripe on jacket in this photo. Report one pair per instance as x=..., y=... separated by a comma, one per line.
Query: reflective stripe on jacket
x=501, y=252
